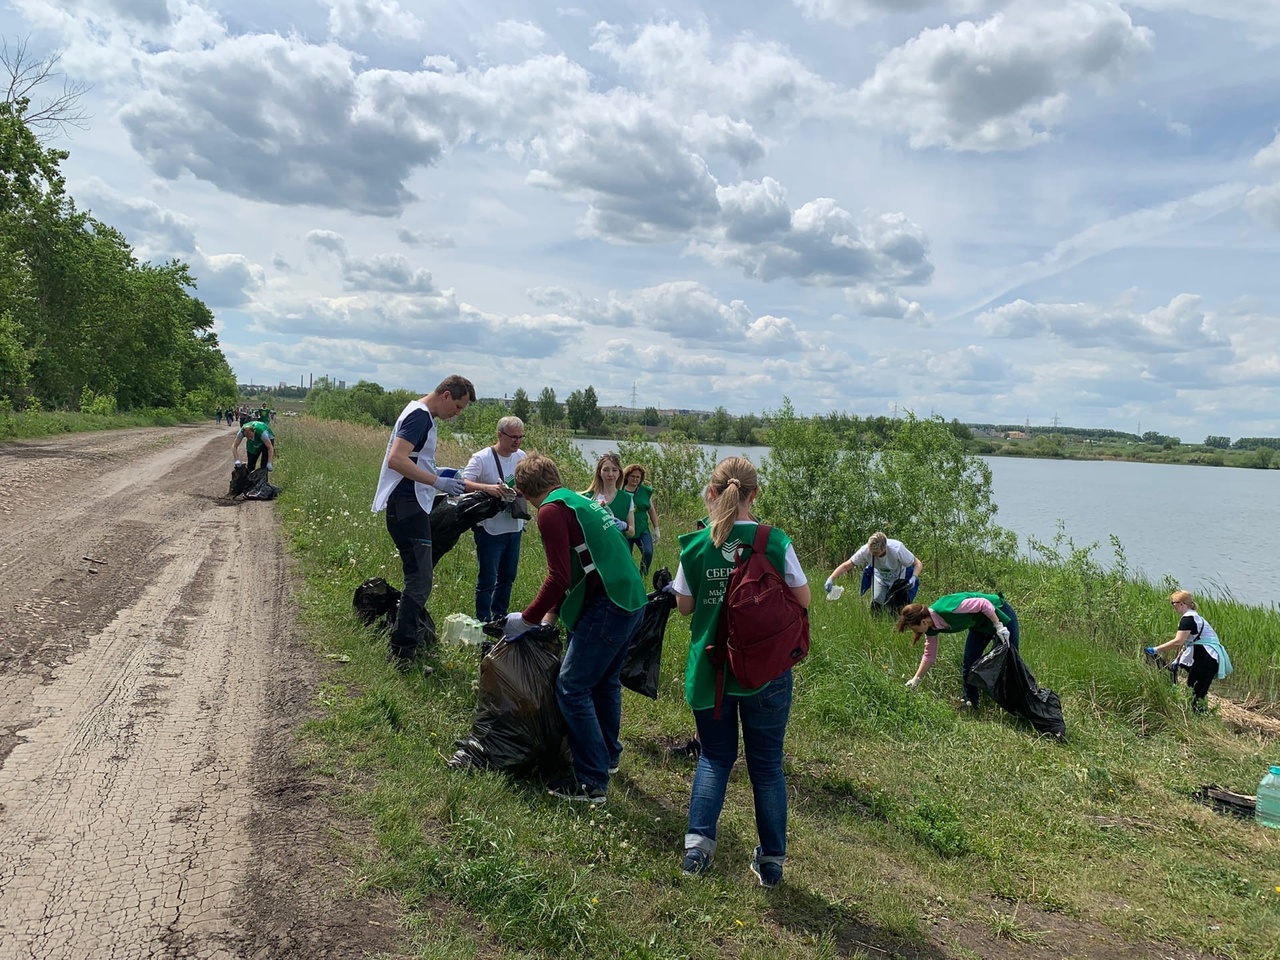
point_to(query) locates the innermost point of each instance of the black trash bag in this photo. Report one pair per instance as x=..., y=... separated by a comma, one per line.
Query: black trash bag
x=644, y=656
x=260, y=486
x=450, y=519
x=239, y=480
x=517, y=727
x=897, y=597
x=1003, y=675
x=376, y=601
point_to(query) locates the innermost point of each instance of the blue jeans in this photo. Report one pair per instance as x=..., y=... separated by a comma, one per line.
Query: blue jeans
x=975, y=645
x=645, y=542
x=589, y=689
x=410, y=529
x=498, y=556
x=763, y=717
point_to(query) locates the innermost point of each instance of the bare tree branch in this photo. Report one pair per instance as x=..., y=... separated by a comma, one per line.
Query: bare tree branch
x=22, y=74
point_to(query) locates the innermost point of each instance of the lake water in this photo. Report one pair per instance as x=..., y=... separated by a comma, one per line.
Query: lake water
x=1207, y=527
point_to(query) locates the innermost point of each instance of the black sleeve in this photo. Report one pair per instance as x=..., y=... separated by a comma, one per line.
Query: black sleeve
x=1187, y=623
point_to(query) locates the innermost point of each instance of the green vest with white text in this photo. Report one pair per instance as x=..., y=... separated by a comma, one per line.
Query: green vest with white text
x=606, y=552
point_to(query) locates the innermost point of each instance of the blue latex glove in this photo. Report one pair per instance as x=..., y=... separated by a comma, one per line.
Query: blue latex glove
x=453, y=486
x=1149, y=651
x=620, y=524
x=913, y=581
x=270, y=467
x=515, y=627
x=829, y=584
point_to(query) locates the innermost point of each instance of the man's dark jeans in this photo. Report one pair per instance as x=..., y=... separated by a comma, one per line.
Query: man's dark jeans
x=255, y=457
x=410, y=529
x=498, y=556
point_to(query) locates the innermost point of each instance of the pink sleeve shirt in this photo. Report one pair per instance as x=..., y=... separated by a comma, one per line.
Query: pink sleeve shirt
x=972, y=605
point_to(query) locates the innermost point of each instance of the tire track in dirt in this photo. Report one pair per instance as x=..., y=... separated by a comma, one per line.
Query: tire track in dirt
x=149, y=700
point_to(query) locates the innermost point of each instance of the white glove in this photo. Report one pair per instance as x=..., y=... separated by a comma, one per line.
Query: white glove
x=913, y=683
x=239, y=463
x=1003, y=633
x=515, y=627
x=620, y=524
x=450, y=486
x=831, y=582
x=270, y=467
x=657, y=535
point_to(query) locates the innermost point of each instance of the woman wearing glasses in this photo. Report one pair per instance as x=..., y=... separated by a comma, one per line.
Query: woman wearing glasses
x=493, y=470
x=1202, y=654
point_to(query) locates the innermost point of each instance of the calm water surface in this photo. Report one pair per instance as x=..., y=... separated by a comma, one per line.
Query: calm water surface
x=1212, y=529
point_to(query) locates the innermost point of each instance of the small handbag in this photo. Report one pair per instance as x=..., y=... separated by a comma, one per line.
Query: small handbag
x=519, y=506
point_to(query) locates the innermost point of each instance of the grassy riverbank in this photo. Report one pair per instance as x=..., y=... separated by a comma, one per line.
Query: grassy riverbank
x=28, y=425
x=915, y=829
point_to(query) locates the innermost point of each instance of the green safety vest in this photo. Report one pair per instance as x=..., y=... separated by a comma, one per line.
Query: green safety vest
x=642, y=496
x=706, y=569
x=253, y=434
x=945, y=606
x=605, y=551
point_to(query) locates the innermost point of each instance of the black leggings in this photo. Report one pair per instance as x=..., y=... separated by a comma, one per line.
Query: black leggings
x=1202, y=672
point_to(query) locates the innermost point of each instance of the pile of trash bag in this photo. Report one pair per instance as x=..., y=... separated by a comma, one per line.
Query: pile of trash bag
x=251, y=486
x=1003, y=675
x=376, y=604
x=644, y=656
x=517, y=727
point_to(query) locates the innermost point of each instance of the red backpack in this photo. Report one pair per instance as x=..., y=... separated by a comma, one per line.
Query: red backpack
x=762, y=631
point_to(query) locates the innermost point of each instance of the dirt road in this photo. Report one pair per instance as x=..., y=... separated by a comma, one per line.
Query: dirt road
x=150, y=680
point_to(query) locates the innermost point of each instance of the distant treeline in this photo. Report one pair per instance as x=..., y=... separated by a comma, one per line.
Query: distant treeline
x=82, y=322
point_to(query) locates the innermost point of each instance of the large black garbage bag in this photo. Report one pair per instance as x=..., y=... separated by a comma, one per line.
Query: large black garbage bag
x=376, y=601
x=450, y=519
x=517, y=726
x=1003, y=675
x=644, y=656
x=239, y=480
x=260, y=487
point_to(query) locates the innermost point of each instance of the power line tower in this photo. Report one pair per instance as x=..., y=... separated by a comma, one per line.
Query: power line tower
x=1056, y=421
x=633, y=394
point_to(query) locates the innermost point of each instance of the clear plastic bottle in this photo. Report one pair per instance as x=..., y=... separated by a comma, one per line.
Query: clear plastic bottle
x=1267, y=811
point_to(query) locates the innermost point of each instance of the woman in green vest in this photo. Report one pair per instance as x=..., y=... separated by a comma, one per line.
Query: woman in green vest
x=646, y=516
x=605, y=490
x=983, y=615
x=593, y=586
x=707, y=558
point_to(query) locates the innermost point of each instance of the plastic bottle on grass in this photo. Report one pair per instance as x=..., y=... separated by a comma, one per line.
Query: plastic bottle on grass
x=1267, y=811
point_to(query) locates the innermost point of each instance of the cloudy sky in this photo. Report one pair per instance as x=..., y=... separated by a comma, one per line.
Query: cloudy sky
x=995, y=211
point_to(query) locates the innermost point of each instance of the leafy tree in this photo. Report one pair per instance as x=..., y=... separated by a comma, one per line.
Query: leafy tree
x=576, y=410
x=718, y=425
x=1261, y=458
x=685, y=424
x=23, y=74
x=550, y=412
x=591, y=419
x=744, y=429
x=1217, y=443
x=651, y=417
x=520, y=406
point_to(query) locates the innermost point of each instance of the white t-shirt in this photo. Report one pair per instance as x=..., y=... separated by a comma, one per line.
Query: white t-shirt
x=892, y=566
x=793, y=574
x=482, y=469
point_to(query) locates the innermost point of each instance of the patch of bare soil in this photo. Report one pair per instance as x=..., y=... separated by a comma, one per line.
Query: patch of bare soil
x=151, y=678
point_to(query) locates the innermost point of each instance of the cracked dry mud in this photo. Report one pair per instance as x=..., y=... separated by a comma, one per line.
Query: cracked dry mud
x=150, y=681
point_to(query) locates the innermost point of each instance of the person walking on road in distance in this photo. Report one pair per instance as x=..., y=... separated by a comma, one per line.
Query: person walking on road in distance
x=407, y=486
x=646, y=514
x=890, y=561
x=706, y=561
x=1201, y=653
x=259, y=444
x=593, y=585
x=984, y=615
x=493, y=470
x=605, y=490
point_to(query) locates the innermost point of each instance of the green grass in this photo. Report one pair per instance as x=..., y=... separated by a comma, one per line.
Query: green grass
x=27, y=425
x=901, y=808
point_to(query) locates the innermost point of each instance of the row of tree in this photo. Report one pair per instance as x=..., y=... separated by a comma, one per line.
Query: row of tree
x=81, y=319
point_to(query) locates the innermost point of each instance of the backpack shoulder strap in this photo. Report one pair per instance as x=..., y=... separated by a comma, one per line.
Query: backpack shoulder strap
x=498, y=464
x=761, y=541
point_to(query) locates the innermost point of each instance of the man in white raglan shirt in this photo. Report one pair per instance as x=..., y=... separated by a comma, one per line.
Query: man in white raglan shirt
x=890, y=560
x=498, y=538
x=407, y=486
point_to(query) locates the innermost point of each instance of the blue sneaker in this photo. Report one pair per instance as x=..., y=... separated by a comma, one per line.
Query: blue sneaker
x=768, y=870
x=696, y=862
